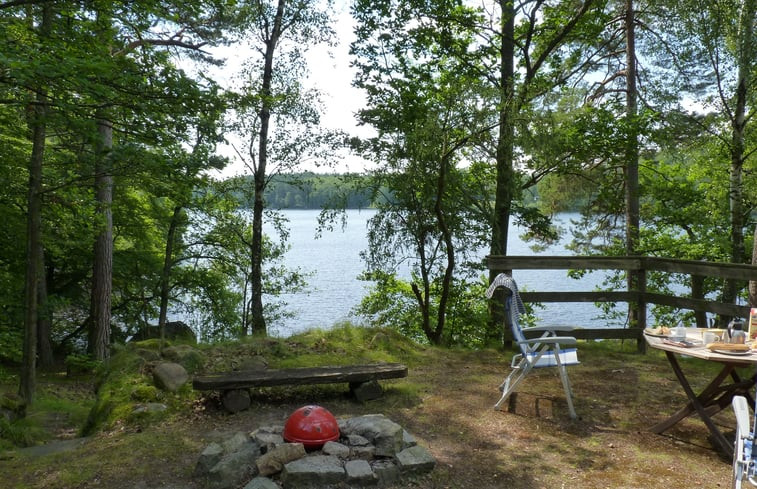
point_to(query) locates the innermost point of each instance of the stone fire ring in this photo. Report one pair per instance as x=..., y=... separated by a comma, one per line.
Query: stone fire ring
x=371, y=450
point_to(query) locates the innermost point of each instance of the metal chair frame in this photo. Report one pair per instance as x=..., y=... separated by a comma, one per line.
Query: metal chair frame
x=545, y=351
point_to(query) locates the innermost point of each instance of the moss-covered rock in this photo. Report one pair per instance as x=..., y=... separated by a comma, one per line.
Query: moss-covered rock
x=124, y=383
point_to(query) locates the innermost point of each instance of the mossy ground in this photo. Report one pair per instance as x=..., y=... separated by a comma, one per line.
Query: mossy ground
x=446, y=402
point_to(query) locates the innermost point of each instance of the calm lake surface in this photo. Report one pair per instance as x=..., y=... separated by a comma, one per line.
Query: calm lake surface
x=334, y=262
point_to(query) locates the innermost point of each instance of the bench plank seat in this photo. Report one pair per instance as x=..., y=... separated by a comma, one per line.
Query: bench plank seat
x=293, y=376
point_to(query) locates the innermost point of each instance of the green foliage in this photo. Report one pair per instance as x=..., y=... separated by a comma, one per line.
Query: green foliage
x=81, y=363
x=22, y=432
x=391, y=303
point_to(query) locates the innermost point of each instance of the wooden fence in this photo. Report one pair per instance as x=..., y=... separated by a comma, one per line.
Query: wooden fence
x=640, y=266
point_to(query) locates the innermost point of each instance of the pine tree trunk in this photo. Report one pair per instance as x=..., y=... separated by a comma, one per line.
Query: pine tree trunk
x=37, y=123
x=44, y=322
x=102, y=269
x=165, y=276
x=631, y=157
x=746, y=62
x=505, y=174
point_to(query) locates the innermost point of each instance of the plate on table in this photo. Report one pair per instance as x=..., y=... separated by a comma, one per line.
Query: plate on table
x=657, y=332
x=735, y=353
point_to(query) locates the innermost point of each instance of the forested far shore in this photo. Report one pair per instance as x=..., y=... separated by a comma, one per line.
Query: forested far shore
x=311, y=190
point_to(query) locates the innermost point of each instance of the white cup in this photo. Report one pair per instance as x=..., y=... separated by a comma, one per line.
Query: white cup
x=709, y=337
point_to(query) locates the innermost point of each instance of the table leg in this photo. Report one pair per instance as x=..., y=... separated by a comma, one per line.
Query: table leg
x=698, y=403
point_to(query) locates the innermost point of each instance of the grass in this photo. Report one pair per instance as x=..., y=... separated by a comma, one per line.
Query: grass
x=445, y=402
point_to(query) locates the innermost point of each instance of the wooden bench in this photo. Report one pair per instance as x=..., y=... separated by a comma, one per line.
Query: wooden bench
x=362, y=379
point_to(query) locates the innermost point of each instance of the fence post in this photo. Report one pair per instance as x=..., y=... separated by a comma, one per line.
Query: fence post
x=697, y=292
x=641, y=343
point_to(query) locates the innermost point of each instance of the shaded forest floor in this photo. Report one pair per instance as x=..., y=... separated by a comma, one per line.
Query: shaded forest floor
x=446, y=403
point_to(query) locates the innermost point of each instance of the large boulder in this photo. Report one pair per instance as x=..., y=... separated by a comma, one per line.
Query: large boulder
x=175, y=330
x=170, y=376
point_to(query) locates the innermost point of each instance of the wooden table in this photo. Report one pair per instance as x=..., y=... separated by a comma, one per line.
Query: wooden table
x=718, y=393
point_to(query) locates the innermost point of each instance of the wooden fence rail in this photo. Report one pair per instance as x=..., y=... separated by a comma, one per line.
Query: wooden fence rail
x=697, y=270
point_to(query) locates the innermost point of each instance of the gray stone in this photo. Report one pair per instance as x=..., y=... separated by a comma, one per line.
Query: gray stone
x=170, y=376
x=266, y=440
x=386, y=471
x=188, y=357
x=359, y=472
x=261, y=483
x=385, y=434
x=408, y=440
x=237, y=442
x=252, y=363
x=336, y=449
x=233, y=468
x=313, y=471
x=149, y=407
x=416, y=460
x=357, y=441
x=208, y=459
x=274, y=460
x=149, y=355
x=173, y=330
x=366, y=391
x=363, y=452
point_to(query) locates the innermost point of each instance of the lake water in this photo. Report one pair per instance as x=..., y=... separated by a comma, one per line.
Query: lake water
x=334, y=261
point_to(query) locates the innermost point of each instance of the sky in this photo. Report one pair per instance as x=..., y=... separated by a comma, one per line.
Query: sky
x=330, y=73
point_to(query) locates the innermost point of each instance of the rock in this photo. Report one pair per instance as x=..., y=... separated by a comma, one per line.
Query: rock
x=237, y=442
x=359, y=472
x=366, y=391
x=12, y=407
x=386, y=471
x=147, y=354
x=336, y=449
x=415, y=460
x=149, y=407
x=261, y=483
x=208, y=459
x=174, y=330
x=385, y=434
x=363, y=453
x=267, y=438
x=273, y=461
x=235, y=400
x=186, y=356
x=255, y=362
x=233, y=468
x=170, y=376
x=408, y=440
x=313, y=471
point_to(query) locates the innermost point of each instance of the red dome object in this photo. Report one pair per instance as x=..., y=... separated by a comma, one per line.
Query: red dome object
x=312, y=426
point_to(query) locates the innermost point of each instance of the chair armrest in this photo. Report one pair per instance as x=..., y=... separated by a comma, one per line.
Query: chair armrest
x=549, y=329
x=741, y=410
x=550, y=340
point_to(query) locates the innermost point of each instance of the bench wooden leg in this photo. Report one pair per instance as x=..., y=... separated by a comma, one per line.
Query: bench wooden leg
x=235, y=400
x=366, y=391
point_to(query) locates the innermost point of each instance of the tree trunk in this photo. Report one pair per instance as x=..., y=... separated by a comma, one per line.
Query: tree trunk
x=44, y=322
x=631, y=166
x=505, y=174
x=102, y=269
x=37, y=114
x=256, y=252
x=746, y=62
x=449, y=247
x=165, y=276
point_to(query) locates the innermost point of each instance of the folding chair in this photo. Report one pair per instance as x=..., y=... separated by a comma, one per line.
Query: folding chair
x=544, y=351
